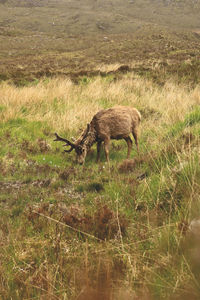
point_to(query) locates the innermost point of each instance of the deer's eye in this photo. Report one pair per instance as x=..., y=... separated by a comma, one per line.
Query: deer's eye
x=80, y=150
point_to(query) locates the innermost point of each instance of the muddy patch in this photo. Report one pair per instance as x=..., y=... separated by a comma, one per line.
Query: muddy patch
x=16, y=185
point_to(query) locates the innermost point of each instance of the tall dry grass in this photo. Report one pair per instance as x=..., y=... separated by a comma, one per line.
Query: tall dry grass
x=67, y=106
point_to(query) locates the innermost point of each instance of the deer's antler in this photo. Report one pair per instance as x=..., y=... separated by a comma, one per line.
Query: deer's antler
x=68, y=143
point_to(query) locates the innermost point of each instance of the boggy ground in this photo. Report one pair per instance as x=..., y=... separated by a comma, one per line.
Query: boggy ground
x=90, y=232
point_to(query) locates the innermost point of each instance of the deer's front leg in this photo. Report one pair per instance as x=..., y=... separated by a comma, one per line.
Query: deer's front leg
x=98, y=150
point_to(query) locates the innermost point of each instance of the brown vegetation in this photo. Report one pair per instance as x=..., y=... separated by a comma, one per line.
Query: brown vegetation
x=153, y=38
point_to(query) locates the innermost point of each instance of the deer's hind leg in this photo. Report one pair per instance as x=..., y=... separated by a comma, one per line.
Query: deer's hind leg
x=106, y=146
x=129, y=144
x=135, y=135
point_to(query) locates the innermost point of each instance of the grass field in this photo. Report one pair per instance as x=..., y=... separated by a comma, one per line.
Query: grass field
x=98, y=232
x=90, y=232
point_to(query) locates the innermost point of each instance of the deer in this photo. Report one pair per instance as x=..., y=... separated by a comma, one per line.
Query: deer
x=116, y=123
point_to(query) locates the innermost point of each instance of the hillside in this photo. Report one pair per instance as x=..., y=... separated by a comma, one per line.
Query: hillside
x=65, y=37
x=95, y=16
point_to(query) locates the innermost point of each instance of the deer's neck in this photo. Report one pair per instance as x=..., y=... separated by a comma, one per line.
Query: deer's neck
x=91, y=138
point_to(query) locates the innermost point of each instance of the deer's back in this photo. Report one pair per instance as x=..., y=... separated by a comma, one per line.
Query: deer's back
x=117, y=122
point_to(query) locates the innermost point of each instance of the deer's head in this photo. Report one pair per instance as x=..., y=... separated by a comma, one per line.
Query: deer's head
x=80, y=146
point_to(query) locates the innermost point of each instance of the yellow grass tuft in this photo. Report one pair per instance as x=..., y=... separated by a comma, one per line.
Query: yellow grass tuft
x=66, y=106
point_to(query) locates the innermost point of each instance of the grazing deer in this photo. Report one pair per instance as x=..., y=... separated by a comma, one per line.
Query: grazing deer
x=113, y=123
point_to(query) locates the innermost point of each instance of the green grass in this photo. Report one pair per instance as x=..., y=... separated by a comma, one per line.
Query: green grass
x=64, y=227
x=193, y=117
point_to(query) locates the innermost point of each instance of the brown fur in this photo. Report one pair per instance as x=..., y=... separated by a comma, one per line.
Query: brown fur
x=114, y=123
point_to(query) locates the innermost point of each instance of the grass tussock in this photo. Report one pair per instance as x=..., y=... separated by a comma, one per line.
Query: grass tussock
x=55, y=101
x=94, y=232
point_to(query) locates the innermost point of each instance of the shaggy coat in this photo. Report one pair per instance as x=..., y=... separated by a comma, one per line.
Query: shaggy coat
x=114, y=123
